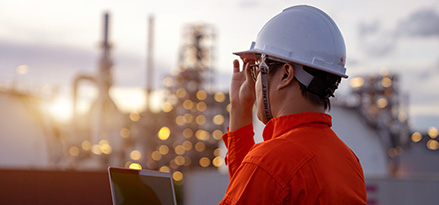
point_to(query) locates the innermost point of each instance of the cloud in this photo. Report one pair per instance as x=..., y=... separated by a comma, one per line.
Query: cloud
x=57, y=65
x=365, y=29
x=377, y=41
x=421, y=82
x=422, y=23
x=48, y=65
x=13, y=53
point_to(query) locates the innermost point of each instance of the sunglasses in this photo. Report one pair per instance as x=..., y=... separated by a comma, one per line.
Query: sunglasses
x=263, y=64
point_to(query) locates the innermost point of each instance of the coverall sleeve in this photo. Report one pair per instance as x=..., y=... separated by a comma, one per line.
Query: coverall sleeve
x=238, y=144
x=253, y=185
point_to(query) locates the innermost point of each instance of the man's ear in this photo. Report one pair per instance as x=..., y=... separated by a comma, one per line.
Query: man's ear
x=287, y=75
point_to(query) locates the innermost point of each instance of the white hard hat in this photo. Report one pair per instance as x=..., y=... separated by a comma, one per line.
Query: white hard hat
x=304, y=35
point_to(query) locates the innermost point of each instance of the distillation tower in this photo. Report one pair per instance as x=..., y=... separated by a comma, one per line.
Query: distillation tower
x=196, y=113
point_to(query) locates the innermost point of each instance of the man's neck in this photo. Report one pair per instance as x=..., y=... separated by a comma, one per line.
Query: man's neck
x=286, y=103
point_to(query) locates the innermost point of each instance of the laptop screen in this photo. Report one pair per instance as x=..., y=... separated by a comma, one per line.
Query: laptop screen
x=129, y=186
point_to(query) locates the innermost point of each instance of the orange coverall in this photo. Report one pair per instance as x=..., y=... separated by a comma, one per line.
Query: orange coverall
x=301, y=161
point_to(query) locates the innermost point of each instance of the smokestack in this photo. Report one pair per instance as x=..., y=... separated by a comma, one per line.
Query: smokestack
x=149, y=63
x=106, y=28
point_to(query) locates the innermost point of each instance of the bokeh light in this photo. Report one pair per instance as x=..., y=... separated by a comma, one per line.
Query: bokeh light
x=433, y=144
x=168, y=82
x=167, y=107
x=201, y=106
x=200, y=119
x=433, y=132
x=96, y=149
x=219, y=97
x=134, y=116
x=217, y=134
x=135, y=166
x=164, y=149
x=204, y=162
x=165, y=169
x=187, y=145
x=164, y=133
x=125, y=133
x=386, y=82
x=217, y=161
x=180, y=120
x=74, y=151
x=156, y=156
x=188, y=118
x=181, y=93
x=382, y=102
x=135, y=155
x=218, y=119
x=177, y=176
x=86, y=145
x=179, y=149
x=105, y=148
x=201, y=95
x=179, y=160
x=357, y=82
x=202, y=135
x=217, y=152
x=416, y=137
x=200, y=146
x=188, y=104
x=188, y=133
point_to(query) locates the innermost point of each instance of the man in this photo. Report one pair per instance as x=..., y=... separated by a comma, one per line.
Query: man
x=291, y=70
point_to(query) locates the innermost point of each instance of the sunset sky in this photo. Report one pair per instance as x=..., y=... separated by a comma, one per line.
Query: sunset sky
x=58, y=40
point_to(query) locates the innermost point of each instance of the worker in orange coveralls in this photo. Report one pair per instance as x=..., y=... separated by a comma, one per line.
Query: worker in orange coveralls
x=291, y=71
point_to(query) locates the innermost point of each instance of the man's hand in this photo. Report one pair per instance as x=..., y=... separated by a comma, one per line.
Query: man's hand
x=242, y=96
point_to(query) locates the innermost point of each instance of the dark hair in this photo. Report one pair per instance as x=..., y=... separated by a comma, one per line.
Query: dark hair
x=320, y=89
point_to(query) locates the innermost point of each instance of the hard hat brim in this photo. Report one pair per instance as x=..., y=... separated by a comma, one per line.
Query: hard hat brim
x=250, y=55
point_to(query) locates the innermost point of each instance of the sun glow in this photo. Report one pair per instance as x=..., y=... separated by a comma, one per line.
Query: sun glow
x=128, y=100
x=61, y=109
x=134, y=99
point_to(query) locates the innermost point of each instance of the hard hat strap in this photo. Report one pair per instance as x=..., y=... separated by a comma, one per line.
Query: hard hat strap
x=265, y=88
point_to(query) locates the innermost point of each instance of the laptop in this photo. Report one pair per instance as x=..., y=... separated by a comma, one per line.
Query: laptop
x=131, y=186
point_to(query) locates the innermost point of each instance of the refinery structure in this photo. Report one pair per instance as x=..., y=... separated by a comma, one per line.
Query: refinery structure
x=185, y=134
x=184, y=137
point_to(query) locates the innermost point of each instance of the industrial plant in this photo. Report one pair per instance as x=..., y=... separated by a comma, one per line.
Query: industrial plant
x=184, y=137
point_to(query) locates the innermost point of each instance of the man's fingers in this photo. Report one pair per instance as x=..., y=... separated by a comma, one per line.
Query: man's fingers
x=248, y=74
x=245, y=60
x=235, y=66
